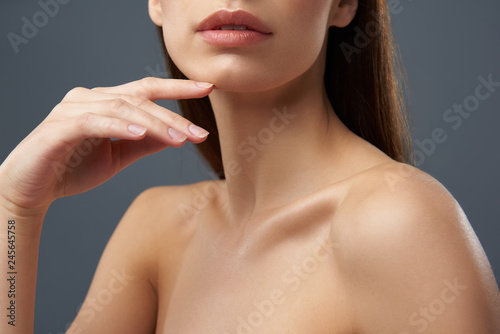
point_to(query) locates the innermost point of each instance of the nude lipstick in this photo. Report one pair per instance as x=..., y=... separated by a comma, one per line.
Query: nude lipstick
x=233, y=29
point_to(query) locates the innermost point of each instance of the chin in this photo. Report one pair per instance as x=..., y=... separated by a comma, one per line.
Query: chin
x=237, y=78
x=240, y=83
x=233, y=72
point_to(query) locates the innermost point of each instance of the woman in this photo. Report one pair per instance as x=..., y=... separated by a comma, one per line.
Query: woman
x=318, y=224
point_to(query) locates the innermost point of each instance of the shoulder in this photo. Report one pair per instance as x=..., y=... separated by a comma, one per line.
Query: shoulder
x=160, y=220
x=138, y=263
x=397, y=192
x=176, y=203
x=168, y=209
x=393, y=198
x=411, y=256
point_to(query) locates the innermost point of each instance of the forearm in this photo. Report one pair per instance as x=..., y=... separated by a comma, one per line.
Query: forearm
x=19, y=243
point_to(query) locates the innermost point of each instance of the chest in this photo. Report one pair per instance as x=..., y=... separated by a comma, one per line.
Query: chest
x=292, y=287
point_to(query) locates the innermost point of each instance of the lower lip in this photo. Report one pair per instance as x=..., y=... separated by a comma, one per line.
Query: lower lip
x=233, y=38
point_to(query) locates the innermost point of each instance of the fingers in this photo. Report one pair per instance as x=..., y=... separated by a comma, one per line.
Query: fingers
x=141, y=105
x=160, y=123
x=139, y=109
x=91, y=125
x=157, y=88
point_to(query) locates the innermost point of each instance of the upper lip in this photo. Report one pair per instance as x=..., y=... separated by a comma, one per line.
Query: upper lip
x=237, y=17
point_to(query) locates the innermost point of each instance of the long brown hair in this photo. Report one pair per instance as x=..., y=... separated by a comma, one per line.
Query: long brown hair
x=364, y=80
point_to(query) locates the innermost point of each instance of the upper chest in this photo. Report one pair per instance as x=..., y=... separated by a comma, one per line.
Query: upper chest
x=281, y=284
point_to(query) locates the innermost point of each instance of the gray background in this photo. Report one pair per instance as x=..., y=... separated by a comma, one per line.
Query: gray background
x=445, y=46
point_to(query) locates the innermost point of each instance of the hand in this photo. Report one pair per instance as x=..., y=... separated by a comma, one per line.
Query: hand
x=71, y=152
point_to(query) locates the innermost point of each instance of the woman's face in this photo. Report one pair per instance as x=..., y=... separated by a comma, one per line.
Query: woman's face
x=296, y=29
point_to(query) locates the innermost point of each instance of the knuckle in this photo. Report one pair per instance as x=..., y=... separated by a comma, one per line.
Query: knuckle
x=118, y=105
x=75, y=92
x=148, y=83
x=142, y=101
x=105, y=125
x=84, y=121
x=175, y=118
x=159, y=125
x=88, y=123
x=138, y=101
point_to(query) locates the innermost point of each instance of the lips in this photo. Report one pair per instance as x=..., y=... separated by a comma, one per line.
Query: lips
x=239, y=20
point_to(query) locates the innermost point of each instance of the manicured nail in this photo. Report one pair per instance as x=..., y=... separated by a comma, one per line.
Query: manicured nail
x=197, y=131
x=202, y=84
x=176, y=135
x=136, y=129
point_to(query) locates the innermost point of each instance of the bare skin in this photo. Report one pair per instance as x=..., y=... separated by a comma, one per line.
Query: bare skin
x=402, y=255
x=326, y=263
x=316, y=231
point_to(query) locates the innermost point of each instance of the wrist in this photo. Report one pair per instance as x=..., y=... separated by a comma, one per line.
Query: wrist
x=29, y=220
x=13, y=208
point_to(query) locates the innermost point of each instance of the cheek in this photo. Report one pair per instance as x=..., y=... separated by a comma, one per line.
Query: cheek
x=175, y=28
x=308, y=20
x=180, y=37
x=307, y=12
x=177, y=46
x=301, y=38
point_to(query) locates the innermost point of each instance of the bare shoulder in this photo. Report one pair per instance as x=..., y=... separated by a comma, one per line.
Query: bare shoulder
x=169, y=210
x=411, y=258
x=149, y=237
x=176, y=203
x=399, y=189
x=396, y=190
x=163, y=218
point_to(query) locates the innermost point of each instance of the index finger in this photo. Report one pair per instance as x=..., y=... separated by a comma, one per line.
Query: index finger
x=158, y=88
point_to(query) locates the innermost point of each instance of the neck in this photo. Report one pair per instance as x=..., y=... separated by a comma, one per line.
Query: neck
x=277, y=145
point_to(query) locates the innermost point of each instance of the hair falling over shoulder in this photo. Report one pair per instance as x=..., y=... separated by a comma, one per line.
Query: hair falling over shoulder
x=364, y=79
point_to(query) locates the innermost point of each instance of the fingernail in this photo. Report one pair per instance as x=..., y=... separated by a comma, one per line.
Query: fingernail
x=202, y=84
x=136, y=129
x=197, y=131
x=176, y=135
